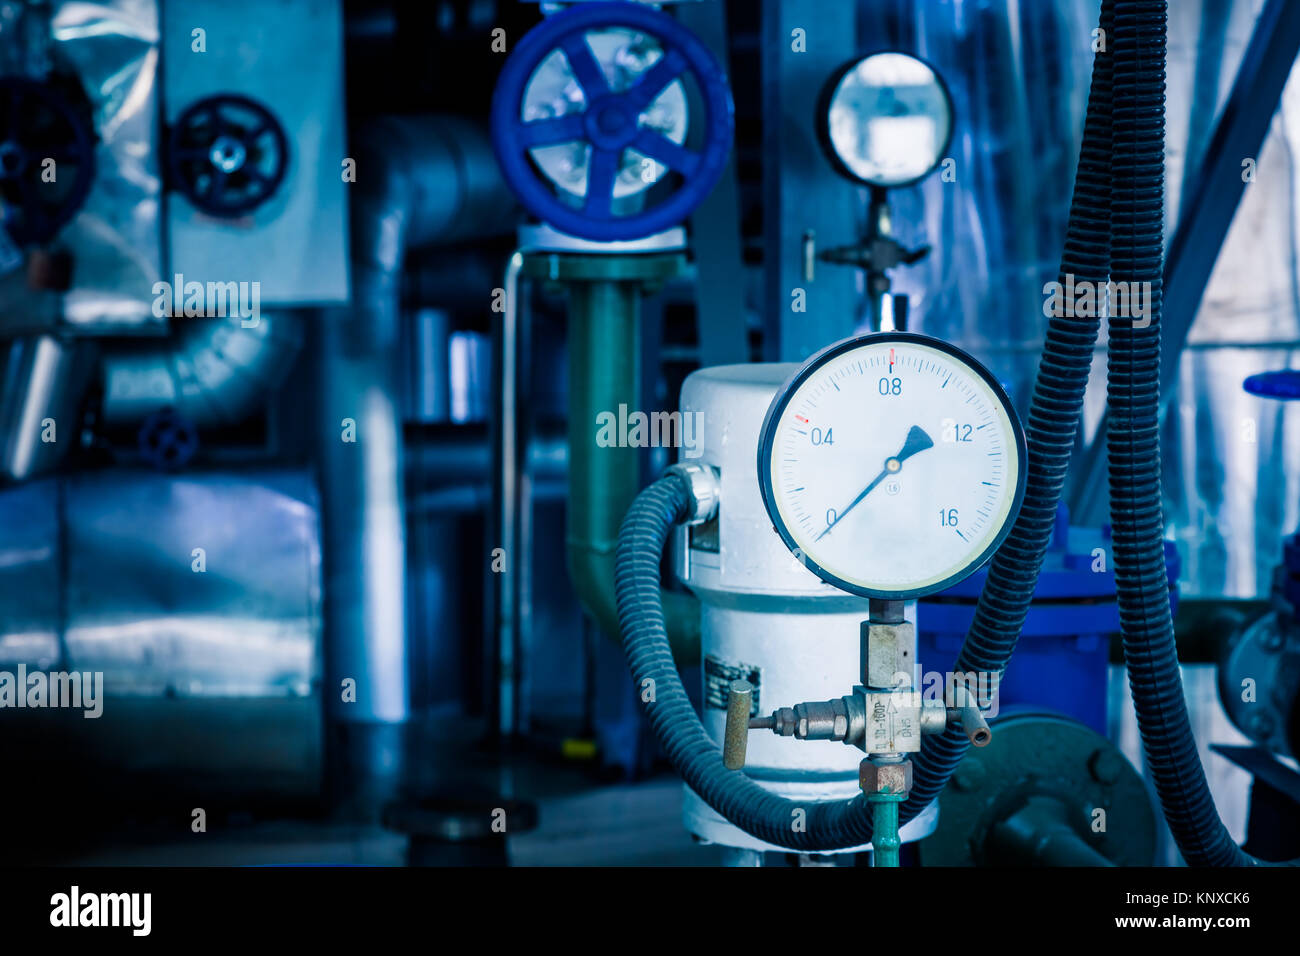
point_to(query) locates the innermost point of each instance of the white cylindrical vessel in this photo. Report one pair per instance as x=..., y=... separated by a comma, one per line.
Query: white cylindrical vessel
x=765, y=617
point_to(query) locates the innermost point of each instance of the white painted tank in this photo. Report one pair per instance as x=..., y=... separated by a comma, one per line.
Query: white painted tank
x=765, y=617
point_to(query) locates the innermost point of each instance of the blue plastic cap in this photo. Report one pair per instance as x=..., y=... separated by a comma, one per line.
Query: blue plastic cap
x=1284, y=384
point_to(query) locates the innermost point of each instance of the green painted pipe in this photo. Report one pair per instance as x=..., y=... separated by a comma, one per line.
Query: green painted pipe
x=884, y=827
x=604, y=473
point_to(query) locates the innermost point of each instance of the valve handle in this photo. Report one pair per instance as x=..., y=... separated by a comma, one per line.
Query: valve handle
x=227, y=154
x=38, y=126
x=611, y=122
x=735, y=739
x=168, y=440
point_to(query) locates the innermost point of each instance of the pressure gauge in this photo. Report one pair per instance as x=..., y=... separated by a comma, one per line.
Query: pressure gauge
x=886, y=120
x=892, y=465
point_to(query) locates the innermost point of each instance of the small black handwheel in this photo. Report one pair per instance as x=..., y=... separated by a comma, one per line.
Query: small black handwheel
x=227, y=154
x=47, y=160
x=168, y=440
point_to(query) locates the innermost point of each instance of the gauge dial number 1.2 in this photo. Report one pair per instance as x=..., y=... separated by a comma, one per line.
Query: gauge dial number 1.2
x=892, y=465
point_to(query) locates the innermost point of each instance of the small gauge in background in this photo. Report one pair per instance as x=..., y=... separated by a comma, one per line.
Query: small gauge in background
x=886, y=120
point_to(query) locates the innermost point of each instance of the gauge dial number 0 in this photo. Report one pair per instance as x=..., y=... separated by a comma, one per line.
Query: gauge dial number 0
x=892, y=465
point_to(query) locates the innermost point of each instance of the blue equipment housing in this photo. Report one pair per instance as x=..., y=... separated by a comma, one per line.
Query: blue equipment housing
x=1063, y=656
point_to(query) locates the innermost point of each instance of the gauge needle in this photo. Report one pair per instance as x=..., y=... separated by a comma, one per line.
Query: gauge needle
x=917, y=440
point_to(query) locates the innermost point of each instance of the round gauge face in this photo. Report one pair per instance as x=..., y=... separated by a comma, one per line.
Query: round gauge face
x=892, y=465
x=888, y=119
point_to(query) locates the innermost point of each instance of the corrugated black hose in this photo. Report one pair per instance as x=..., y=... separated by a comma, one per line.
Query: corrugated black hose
x=1133, y=442
x=1054, y=413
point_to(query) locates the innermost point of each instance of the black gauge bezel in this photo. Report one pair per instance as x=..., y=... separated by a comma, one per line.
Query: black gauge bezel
x=823, y=121
x=775, y=411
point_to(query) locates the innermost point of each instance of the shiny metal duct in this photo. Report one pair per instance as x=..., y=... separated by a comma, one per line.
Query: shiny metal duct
x=213, y=371
x=42, y=379
x=197, y=596
x=420, y=181
x=116, y=238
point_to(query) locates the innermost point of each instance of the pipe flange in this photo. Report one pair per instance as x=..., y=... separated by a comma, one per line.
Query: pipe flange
x=1036, y=756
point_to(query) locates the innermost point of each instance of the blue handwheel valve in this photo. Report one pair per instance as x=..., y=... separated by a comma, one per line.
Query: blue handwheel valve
x=590, y=107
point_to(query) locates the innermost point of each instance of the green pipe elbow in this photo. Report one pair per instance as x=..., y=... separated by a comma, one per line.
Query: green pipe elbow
x=604, y=295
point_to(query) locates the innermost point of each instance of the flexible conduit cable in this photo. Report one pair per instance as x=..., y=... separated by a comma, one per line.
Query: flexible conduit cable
x=1133, y=444
x=1054, y=413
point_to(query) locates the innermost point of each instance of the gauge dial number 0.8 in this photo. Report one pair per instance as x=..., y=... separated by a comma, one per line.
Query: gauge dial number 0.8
x=892, y=465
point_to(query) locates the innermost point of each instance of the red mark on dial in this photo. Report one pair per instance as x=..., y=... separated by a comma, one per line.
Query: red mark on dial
x=891, y=360
x=801, y=419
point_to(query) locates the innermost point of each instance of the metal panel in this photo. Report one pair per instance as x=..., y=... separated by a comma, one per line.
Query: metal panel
x=1233, y=462
x=715, y=227
x=29, y=575
x=287, y=55
x=211, y=679
x=995, y=216
x=138, y=610
x=1215, y=194
x=800, y=192
x=106, y=561
x=115, y=240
